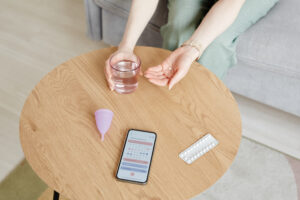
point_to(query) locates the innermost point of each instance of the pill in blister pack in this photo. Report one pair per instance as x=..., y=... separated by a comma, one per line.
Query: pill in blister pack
x=199, y=148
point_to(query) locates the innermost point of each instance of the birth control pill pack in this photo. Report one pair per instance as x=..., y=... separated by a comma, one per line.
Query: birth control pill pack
x=199, y=148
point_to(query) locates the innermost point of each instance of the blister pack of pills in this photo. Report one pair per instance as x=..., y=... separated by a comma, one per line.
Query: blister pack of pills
x=199, y=148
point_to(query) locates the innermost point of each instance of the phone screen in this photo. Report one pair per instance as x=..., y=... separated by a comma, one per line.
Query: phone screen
x=136, y=157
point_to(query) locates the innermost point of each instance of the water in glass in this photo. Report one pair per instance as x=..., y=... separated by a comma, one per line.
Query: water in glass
x=125, y=75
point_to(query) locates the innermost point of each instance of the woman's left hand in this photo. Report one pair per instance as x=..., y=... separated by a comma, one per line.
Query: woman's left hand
x=173, y=68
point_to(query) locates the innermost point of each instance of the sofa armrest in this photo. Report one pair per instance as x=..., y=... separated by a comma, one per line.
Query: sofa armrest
x=93, y=20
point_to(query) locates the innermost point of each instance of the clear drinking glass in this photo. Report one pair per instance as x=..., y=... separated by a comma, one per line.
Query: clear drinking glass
x=125, y=69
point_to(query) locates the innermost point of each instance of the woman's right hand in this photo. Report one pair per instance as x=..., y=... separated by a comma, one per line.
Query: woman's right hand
x=120, y=54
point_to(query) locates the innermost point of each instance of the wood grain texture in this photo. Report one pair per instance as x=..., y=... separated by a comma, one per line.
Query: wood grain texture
x=61, y=142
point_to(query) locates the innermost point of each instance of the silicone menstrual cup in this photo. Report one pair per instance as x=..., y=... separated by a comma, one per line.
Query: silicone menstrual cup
x=103, y=120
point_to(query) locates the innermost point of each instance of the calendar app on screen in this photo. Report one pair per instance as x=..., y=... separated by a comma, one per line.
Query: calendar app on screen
x=136, y=157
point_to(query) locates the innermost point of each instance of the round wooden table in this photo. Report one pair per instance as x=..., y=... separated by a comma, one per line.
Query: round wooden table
x=61, y=142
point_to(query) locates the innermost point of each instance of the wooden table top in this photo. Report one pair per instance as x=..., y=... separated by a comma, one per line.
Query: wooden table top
x=61, y=142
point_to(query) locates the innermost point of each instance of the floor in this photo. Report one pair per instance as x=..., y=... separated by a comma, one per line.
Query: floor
x=35, y=36
x=257, y=173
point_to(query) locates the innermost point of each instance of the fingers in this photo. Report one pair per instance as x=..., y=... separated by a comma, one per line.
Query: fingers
x=158, y=72
x=176, y=78
x=160, y=82
x=157, y=68
x=154, y=76
x=157, y=75
x=108, y=76
x=154, y=73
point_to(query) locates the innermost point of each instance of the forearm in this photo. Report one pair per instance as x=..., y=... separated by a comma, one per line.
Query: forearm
x=141, y=12
x=217, y=20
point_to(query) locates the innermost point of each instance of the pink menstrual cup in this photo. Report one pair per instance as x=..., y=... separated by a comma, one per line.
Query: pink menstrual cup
x=103, y=120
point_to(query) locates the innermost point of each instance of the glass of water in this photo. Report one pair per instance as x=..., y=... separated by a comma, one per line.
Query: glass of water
x=125, y=69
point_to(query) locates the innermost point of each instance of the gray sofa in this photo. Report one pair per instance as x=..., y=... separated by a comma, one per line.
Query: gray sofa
x=268, y=68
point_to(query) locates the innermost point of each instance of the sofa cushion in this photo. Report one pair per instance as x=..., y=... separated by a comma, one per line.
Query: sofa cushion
x=268, y=68
x=271, y=88
x=274, y=42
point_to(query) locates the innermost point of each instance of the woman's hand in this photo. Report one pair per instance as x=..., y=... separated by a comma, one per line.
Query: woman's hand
x=173, y=68
x=140, y=14
x=121, y=54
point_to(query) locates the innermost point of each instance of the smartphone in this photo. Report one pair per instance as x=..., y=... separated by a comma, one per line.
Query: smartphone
x=135, y=162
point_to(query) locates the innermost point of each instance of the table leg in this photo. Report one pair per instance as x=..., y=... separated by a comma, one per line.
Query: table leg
x=55, y=195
